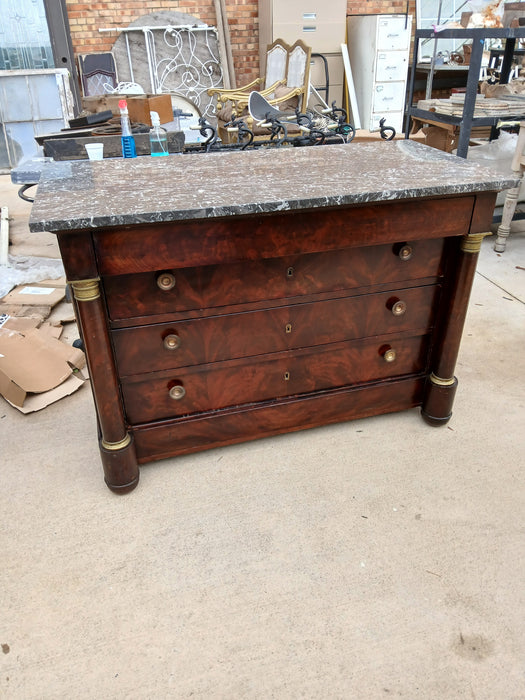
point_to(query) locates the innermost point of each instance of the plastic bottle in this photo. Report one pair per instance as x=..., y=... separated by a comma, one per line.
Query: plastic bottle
x=128, y=142
x=158, y=137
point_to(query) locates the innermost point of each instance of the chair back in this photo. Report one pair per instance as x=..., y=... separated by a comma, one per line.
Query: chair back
x=276, y=62
x=298, y=70
x=290, y=64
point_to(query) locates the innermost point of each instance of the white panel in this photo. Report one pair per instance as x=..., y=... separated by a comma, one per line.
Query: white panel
x=15, y=102
x=45, y=97
x=32, y=102
x=21, y=141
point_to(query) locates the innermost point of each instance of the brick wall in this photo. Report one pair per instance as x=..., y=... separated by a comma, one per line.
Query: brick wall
x=85, y=19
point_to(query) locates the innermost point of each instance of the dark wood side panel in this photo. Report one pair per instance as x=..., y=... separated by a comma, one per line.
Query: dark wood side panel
x=296, y=372
x=185, y=435
x=225, y=337
x=212, y=286
x=216, y=241
x=78, y=255
x=483, y=212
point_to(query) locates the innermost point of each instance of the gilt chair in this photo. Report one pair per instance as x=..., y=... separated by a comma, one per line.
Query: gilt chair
x=286, y=84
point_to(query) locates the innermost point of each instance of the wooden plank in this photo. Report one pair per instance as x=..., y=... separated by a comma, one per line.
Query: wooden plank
x=227, y=41
x=73, y=148
x=222, y=45
x=351, y=87
x=4, y=236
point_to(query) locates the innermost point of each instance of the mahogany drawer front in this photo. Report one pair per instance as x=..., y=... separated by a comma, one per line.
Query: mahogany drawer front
x=235, y=239
x=212, y=286
x=202, y=431
x=295, y=372
x=216, y=338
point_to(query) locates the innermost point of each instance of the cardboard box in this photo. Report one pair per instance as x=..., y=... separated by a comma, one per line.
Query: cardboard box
x=140, y=106
x=37, y=369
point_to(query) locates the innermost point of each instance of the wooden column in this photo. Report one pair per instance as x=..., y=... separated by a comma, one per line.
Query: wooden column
x=441, y=384
x=121, y=472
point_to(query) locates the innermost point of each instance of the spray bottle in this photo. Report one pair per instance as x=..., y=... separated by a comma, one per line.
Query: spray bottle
x=128, y=142
x=158, y=138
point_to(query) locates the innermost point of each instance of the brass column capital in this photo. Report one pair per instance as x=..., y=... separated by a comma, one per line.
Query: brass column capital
x=86, y=290
x=471, y=243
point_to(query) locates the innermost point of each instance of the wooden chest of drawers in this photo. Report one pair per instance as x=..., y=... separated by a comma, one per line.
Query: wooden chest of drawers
x=202, y=331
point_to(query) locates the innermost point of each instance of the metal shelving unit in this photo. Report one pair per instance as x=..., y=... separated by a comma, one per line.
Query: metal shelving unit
x=478, y=36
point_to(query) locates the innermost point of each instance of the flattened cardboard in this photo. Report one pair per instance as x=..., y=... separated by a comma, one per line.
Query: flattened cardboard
x=59, y=282
x=34, y=295
x=34, y=363
x=36, y=402
x=14, y=323
x=54, y=330
x=34, y=313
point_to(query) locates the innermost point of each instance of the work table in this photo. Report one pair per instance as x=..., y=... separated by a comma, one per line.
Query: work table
x=229, y=296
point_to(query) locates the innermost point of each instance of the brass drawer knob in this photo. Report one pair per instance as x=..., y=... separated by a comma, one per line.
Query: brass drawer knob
x=399, y=308
x=172, y=341
x=389, y=355
x=177, y=392
x=405, y=252
x=166, y=281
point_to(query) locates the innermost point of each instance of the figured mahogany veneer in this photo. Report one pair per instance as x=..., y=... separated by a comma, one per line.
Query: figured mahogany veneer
x=295, y=372
x=209, y=332
x=211, y=286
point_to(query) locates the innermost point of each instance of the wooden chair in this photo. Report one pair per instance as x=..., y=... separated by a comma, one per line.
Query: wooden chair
x=286, y=84
x=511, y=198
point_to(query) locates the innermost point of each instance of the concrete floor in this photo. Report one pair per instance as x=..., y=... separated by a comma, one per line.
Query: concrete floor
x=378, y=558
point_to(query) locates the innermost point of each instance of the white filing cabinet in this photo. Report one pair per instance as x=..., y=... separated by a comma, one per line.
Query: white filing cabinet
x=321, y=24
x=378, y=47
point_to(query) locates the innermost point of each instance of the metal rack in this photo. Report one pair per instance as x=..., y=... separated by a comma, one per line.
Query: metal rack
x=478, y=36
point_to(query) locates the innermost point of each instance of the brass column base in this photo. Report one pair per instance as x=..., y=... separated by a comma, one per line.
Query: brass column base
x=121, y=471
x=438, y=400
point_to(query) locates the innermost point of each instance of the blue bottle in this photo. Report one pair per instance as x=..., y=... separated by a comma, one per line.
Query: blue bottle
x=128, y=142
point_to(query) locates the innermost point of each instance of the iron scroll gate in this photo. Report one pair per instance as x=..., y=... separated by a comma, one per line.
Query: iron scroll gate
x=180, y=59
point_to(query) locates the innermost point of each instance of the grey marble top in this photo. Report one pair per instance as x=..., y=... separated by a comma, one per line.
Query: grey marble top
x=116, y=192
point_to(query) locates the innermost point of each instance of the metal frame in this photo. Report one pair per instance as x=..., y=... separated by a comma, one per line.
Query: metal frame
x=60, y=35
x=196, y=76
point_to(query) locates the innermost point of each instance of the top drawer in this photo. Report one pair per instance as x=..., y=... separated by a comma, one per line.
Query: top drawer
x=189, y=243
x=211, y=286
x=301, y=11
x=392, y=34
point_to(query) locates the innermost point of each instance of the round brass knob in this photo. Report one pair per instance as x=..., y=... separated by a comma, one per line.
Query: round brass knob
x=405, y=253
x=399, y=308
x=389, y=355
x=172, y=341
x=166, y=281
x=177, y=392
